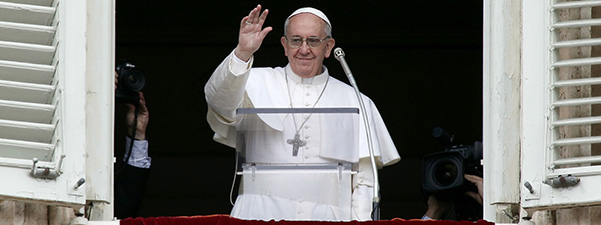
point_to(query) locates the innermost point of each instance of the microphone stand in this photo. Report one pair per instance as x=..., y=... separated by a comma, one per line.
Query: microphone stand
x=375, y=214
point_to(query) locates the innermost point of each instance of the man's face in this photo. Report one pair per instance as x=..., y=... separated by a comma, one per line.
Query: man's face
x=307, y=61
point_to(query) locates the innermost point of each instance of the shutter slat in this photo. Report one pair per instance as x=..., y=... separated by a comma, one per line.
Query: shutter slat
x=578, y=43
x=26, y=112
x=19, y=163
x=26, y=72
x=578, y=82
x=578, y=62
x=576, y=171
x=577, y=160
x=28, y=53
x=26, y=13
x=26, y=33
x=578, y=23
x=26, y=92
x=578, y=4
x=577, y=101
x=577, y=141
x=578, y=121
x=26, y=149
x=32, y=2
x=25, y=131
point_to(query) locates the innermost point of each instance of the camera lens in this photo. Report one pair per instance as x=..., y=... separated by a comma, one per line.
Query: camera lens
x=445, y=173
x=134, y=80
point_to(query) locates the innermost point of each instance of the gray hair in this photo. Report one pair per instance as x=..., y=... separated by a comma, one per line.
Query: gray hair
x=328, y=28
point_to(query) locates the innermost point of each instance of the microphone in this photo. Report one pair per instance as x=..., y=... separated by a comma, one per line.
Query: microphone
x=442, y=136
x=339, y=55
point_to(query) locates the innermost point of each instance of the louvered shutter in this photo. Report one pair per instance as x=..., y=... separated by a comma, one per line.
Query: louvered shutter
x=42, y=100
x=560, y=104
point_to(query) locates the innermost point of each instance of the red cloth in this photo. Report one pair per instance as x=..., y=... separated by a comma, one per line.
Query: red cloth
x=227, y=220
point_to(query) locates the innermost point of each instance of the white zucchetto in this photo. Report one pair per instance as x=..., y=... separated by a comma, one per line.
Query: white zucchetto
x=313, y=11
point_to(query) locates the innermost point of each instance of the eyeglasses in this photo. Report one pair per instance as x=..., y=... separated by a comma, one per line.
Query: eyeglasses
x=297, y=42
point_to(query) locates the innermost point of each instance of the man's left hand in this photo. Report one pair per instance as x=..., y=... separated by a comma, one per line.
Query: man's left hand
x=476, y=180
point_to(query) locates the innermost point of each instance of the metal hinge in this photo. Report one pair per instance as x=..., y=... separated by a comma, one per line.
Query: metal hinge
x=46, y=172
x=562, y=181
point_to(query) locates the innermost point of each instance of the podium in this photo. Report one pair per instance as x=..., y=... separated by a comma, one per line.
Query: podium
x=298, y=155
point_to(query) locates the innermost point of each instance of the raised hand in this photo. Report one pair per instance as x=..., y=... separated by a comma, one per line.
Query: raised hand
x=251, y=33
x=142, y=121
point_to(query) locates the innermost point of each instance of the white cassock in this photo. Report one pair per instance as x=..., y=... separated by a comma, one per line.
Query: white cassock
x=235, y=85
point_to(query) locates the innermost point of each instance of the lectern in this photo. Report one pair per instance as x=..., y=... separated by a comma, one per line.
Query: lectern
x=301, y=154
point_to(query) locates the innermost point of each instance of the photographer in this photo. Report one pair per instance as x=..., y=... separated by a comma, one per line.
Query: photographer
x=452, y=180
x=131, y=176
x=442, y=208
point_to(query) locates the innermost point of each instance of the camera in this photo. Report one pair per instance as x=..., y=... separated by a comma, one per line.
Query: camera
x=131, y=81
x=443, y=175
x=444, y=170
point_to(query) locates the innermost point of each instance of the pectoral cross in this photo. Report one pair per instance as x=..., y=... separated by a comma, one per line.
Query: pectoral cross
x=296, y=142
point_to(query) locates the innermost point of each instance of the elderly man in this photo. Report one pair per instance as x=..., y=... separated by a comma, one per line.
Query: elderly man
x=303, y=83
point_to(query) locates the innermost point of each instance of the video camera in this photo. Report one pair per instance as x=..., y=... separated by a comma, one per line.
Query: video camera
x=131, y=81
x=443, y=174
x=445, y=170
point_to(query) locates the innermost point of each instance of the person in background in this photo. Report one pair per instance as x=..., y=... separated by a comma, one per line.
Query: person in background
x=439, y=208
x=131, y=176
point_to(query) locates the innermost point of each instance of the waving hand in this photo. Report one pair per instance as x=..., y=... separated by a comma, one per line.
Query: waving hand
x=251, y=33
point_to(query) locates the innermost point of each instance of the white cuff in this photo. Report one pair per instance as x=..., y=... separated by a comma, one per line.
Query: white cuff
x=139, y=153
x=426, y=218
x=238, y=66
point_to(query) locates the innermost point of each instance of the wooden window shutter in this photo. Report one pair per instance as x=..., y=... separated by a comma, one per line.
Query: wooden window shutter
x=42, y=100
x=561, y=104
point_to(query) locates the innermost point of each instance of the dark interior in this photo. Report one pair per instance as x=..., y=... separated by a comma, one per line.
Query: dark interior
x=419, y=61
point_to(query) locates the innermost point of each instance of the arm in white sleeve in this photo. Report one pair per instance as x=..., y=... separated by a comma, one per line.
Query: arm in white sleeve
x=139, y=153
x=224, y=91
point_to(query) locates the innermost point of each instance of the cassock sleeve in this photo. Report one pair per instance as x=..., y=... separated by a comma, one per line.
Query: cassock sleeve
x=384, y=149
x=224, y=93
x=388, y=151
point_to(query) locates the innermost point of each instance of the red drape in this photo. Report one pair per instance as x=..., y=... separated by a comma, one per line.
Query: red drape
x=227, y=220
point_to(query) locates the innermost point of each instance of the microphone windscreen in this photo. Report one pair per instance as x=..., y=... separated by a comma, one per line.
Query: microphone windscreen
x=338, y=53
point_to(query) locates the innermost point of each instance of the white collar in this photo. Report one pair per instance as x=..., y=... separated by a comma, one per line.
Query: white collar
x=318, y=79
